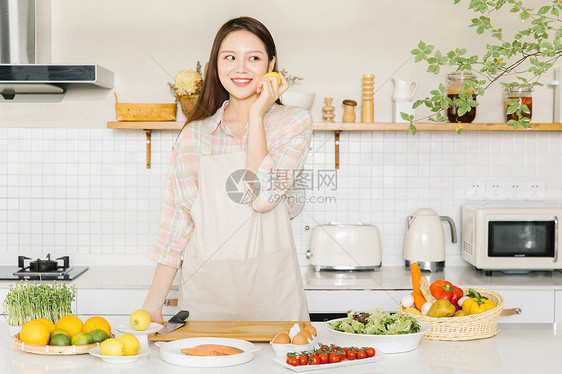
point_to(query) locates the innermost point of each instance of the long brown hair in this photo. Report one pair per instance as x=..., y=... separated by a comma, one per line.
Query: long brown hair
x=213, y=93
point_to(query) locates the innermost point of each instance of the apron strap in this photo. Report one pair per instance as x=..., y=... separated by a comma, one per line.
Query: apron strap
x=206, y=138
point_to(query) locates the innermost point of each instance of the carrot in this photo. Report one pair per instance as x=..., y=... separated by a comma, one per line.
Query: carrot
x=416, y=276
x=419, y=300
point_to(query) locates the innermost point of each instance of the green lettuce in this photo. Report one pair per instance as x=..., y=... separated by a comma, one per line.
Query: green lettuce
x=377, y=322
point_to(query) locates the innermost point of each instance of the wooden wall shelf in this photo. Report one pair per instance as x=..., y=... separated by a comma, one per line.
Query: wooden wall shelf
x=338, y=127
x=379, y=126
x=383, y=126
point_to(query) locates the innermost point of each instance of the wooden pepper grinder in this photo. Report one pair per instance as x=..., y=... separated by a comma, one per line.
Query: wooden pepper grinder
x=349, y=111
x=368, y=108
x=328, y=110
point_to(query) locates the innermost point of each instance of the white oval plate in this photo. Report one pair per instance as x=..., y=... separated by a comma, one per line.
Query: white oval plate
x=170, y=352
x=379, y=355
x=119, y=359
x=128, y=329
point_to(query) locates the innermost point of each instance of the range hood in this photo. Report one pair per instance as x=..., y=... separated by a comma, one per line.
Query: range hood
x=21, y=77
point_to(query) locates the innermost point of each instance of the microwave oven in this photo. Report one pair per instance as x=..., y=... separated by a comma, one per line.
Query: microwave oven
x=519, y=237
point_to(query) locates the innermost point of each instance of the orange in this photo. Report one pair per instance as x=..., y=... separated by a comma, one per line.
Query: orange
x=35, y=332
x=71, y=324
x=50, y=325
x=97, y=323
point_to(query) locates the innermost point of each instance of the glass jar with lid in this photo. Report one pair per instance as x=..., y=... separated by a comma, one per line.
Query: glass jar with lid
x=524, y=95
x=455, y=84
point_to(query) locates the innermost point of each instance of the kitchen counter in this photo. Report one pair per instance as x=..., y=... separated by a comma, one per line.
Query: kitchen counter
x=386, y=278
x=398, y=278
x=509, y=351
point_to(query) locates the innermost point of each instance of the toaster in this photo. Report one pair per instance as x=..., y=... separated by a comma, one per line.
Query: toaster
x=345, y=246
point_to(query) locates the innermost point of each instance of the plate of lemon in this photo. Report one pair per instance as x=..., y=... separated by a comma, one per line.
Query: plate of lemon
x=119, y=359
x=124, y=350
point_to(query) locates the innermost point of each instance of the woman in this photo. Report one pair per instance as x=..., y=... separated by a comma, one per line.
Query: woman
x=235, y=249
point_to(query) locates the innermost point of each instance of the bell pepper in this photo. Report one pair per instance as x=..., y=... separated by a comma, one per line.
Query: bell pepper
x=441, y=289
x=477, y=303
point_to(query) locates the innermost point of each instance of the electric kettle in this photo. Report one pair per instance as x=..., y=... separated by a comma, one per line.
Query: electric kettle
x=425, y=240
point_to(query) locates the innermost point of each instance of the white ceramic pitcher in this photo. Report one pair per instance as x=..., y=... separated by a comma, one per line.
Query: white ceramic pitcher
x=404, y=91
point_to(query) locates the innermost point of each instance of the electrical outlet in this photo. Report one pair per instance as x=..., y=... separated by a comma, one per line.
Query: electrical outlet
x=535, y=191
x=476, y=190
x=495, y=190
x=516, y=191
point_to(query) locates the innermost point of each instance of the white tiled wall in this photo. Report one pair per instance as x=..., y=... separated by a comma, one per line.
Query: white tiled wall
x=87, y=193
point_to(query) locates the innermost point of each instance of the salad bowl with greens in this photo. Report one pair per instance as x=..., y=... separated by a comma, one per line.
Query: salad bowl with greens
x=391, y=333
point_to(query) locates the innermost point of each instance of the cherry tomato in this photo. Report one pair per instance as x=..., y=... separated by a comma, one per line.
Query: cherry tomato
x=293, y=361
x=315, y=360
x=335, y=349
x=371, y=352
x=333, y=358
x=351, y=355
x=361, y=355
x=323, y=358
x=303, y=360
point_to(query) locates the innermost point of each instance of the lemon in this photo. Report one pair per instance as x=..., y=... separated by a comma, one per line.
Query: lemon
x=60, y=339
x=98, y=335
x=273, y=74
x=50, y=325
x=35, y=332
x=112, y=347
x=70, y=323
x=95, y=323
x=56, y=332
x=131, y=344
x=140, y=320
x=82, y=338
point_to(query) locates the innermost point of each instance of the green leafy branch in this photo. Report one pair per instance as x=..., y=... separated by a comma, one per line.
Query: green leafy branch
x=524, y=59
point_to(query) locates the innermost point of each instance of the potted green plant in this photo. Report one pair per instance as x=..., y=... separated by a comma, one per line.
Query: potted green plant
x=523, y=56
x=30, y=300
x=295, y=98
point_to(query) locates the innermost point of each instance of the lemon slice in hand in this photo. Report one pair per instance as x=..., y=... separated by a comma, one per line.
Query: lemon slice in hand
x=273, y=74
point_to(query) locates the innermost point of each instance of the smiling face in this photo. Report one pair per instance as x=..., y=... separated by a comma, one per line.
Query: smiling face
x=242, y=62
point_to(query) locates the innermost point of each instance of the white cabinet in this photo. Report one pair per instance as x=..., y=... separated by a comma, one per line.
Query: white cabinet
x=537, y=306
x=336, y=301
x=114, y=302
x=558, y=306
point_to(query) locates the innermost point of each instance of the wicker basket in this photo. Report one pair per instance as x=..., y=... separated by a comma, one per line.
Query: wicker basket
x=474, y=326
x=188, y=103
x=145, y=112
x=51, y=349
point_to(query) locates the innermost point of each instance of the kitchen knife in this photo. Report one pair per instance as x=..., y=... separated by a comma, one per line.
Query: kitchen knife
x=174, y=323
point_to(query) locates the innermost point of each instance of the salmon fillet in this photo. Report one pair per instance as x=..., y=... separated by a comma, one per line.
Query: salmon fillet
x=200, y=352
x=211, y=350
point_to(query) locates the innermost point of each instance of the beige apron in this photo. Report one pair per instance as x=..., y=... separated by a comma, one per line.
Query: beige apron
x=239, y=265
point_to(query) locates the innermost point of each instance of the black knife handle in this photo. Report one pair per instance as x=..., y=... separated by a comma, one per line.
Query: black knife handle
x=180, y=317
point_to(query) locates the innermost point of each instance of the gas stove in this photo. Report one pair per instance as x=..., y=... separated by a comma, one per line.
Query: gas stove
x=39, y=269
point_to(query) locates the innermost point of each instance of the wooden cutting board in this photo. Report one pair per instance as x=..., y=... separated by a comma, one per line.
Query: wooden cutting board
x=254, y=331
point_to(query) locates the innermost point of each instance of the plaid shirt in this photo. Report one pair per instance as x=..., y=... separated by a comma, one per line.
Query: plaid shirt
x=287, y=144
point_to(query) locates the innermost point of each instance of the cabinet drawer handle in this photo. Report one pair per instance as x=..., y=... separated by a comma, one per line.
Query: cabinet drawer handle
x=511, y=312
x=171, y=302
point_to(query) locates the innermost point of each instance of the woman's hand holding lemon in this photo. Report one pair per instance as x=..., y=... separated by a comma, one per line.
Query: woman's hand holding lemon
x=270, y=88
